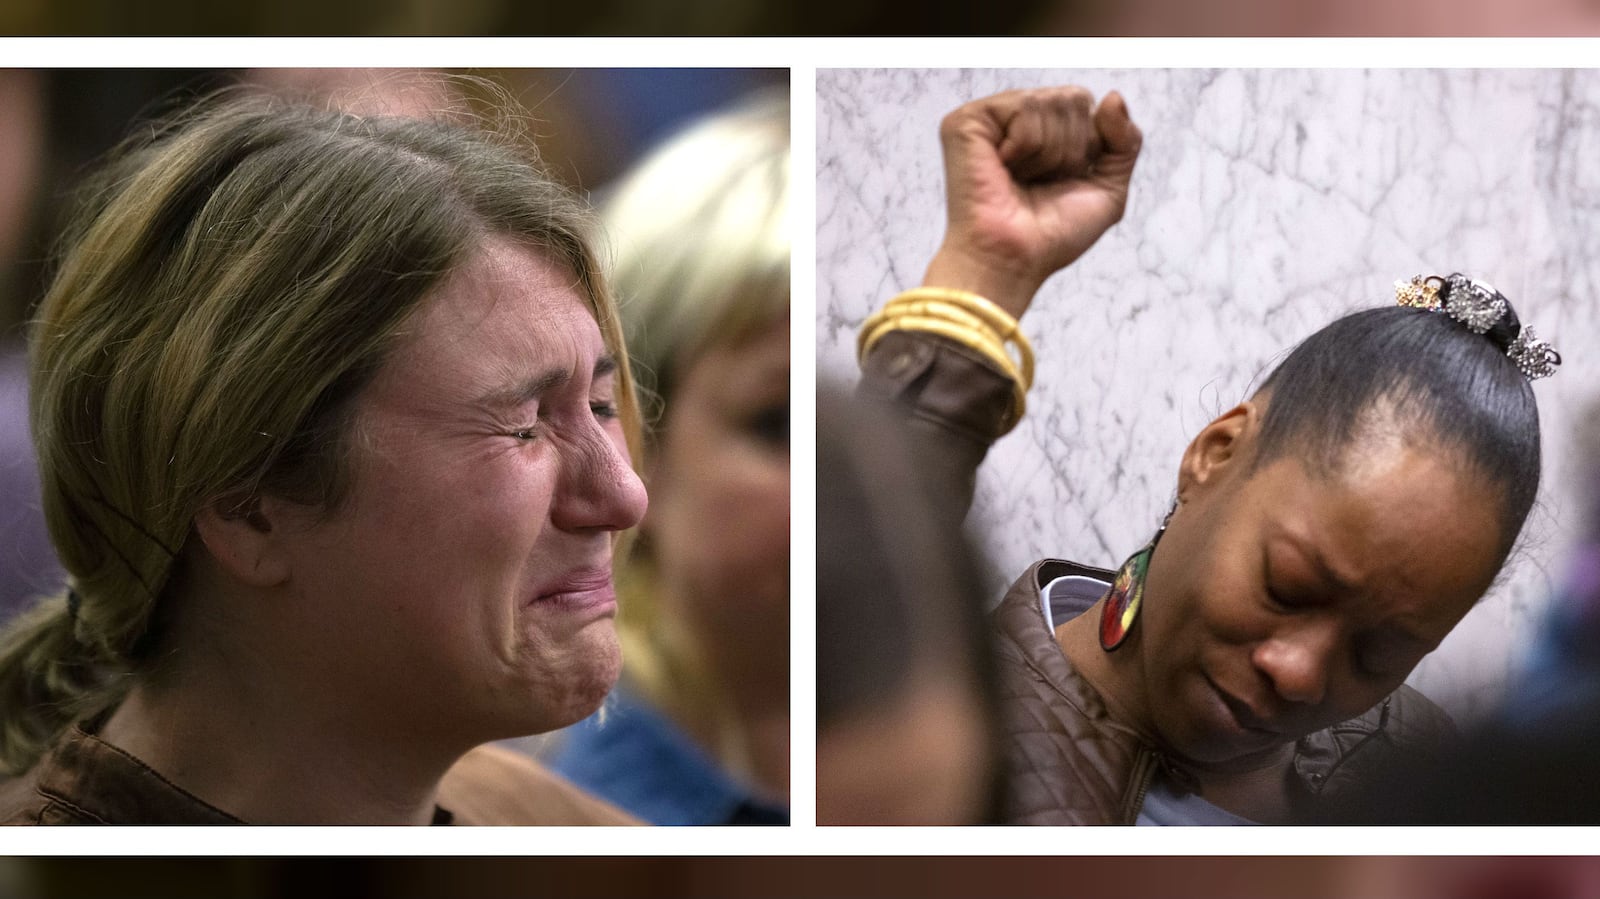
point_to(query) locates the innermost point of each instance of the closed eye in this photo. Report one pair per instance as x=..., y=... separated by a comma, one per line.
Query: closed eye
x=601, y=411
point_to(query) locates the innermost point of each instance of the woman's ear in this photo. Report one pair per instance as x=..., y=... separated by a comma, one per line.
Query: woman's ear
x=241, y=535
x=1220, y=448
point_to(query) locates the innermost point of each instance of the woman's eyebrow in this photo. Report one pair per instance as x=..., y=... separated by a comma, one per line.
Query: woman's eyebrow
x=1312, y=555
x=533, y=387
x=1338, y=580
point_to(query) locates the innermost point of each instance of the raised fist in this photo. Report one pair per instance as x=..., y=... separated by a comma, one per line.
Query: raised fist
x=1032, y=179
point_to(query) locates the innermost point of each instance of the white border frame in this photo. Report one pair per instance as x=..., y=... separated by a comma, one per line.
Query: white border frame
x=803, y=57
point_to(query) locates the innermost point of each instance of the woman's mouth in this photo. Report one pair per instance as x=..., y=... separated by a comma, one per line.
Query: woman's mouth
x=584, y=588
x=1237, y=716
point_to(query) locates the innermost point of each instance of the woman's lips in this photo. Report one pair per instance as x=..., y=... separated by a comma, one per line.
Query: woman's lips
x=585, y=588
x=1239, y=717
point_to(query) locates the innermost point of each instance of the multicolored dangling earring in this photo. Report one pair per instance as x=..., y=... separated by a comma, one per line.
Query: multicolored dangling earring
x=1122, y=604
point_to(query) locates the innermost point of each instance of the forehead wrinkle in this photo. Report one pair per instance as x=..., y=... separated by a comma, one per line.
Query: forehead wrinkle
x=1396, y=620
x=1330, y=575
x=526, y=390
x=537, y=385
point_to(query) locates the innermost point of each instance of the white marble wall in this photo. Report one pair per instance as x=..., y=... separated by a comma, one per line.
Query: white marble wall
x=1266, y=203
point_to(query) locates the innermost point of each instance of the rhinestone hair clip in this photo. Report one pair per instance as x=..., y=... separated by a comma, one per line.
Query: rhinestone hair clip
x=1536, y=358
x=1478, y=306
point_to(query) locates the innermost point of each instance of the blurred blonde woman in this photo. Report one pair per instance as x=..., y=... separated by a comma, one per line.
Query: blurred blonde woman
x=334, y=420
x=699, y=731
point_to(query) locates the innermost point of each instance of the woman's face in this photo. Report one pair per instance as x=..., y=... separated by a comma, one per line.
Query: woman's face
x=719, y=522
x=466, y=581
x=1281, y=602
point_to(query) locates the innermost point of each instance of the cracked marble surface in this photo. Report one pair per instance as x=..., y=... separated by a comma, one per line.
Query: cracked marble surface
x=1266, y=203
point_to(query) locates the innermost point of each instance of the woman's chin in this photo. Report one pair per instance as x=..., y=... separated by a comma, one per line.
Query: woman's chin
x=562, y=695
x=1226, y=755
x=1204, y=748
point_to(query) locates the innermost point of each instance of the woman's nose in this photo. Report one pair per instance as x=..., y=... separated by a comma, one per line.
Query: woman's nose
x=599, y=489
x=1298, y=663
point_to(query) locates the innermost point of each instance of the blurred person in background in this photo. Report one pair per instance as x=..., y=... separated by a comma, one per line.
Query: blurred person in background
x=1246, y=665
x=907, y=719
x=1559, y=690
x=335, y=422
x=698, y=731
x=27, y=563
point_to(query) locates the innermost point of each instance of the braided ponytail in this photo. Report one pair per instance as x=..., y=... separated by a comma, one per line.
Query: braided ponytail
x=49, y=679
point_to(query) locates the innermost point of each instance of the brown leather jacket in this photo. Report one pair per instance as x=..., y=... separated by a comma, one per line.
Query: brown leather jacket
x=1067, y=761
x=85, y=780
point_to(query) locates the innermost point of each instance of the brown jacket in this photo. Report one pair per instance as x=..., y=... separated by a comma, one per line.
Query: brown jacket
x=85, y=780
x=1067, y=761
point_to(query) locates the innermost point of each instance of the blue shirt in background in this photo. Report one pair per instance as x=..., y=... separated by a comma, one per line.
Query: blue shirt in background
x=638, y=759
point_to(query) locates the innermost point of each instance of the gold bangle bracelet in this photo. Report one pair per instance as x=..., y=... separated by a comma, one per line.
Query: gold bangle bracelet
x=926, y=309
x=1003, y=322
x=940, y=309
x=981, y=341
x=880, y=323
x=966, y=319
x=997, y=319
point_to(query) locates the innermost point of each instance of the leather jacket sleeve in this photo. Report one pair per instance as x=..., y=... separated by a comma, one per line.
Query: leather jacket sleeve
x=953, y=403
